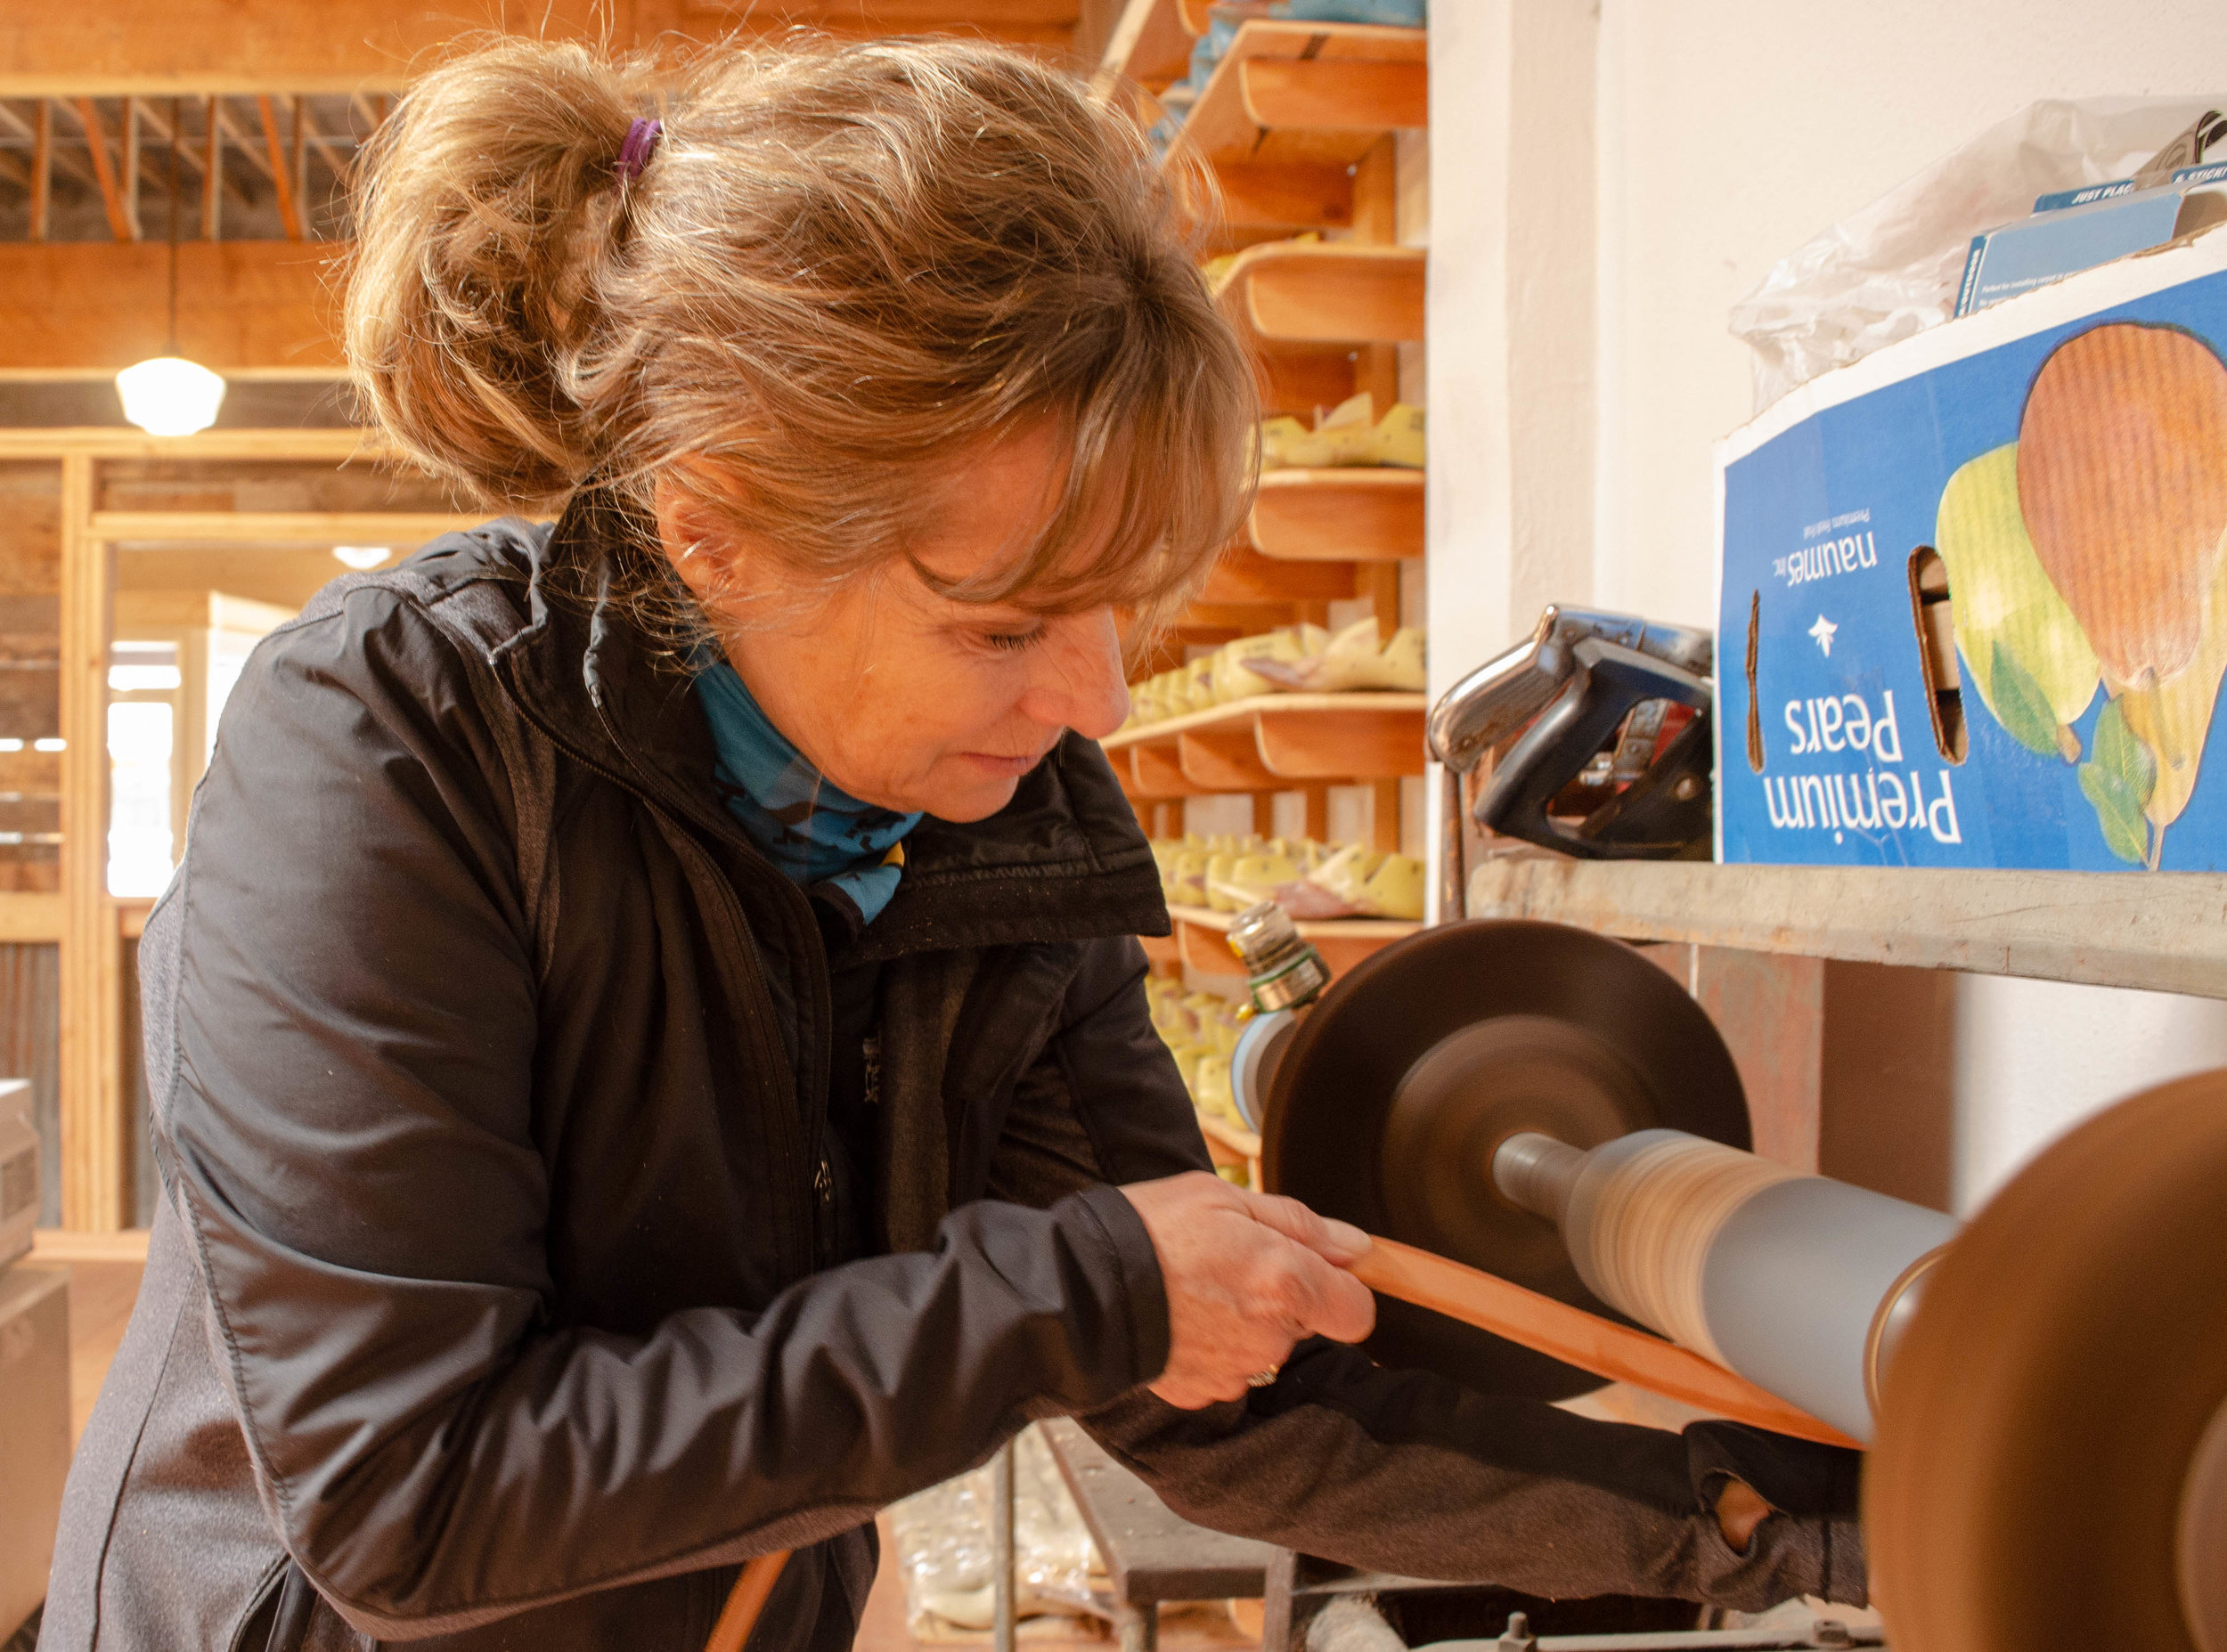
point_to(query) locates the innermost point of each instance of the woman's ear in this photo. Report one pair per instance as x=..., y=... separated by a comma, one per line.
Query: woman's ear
x=691, y=538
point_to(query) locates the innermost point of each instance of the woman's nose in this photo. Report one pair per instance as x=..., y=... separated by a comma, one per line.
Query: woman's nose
x=1079, y=684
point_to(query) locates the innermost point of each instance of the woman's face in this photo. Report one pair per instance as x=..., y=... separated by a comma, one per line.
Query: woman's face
x=902, y=698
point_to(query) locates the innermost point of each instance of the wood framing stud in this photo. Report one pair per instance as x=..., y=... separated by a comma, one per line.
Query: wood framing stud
x=103, y=170
x=212, y=175
x=282, y=174
x=298, y=167
x=128, y=137
x=42, y=170
x=93, y=1172
x=255, y=156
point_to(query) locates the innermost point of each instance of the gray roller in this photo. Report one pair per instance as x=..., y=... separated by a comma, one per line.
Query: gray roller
x=1799, y=1283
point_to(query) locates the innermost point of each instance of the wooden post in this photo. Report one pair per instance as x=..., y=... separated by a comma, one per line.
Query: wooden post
x=42, y=170
x=1376, y=219
x=94, y=1173
x=189, y=747
x=1377, y=370
x=1383, y=832
x=212, y=174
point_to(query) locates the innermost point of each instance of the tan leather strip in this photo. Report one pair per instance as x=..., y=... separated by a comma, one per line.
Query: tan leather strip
x=1579, y=1339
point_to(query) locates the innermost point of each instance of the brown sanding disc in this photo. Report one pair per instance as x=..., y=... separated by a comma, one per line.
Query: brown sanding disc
x=2040, y=1416
x=1421, y=1059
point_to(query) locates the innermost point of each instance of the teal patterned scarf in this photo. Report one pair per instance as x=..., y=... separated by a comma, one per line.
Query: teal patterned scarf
x=814, y=832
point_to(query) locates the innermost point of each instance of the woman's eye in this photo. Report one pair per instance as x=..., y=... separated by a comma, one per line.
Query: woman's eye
x=1013, y=642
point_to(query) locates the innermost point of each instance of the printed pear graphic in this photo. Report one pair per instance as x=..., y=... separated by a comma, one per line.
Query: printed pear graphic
x=2122, y=473
x=2173, y=718
x=2026, y=653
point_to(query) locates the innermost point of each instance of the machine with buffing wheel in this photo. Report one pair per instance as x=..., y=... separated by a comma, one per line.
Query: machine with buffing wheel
x=1551, y=1137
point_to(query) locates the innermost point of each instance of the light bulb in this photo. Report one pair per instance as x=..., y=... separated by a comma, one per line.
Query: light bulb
x=170, y=396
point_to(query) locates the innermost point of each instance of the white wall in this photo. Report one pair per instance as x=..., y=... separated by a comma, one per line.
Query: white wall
x=2035, y=1057
x=1607, y=180
x=1732, y=131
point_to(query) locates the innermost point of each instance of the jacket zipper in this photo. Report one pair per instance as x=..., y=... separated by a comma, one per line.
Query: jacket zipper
x=801, y=1143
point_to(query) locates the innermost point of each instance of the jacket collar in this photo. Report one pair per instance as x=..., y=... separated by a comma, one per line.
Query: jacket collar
x=1066, y=861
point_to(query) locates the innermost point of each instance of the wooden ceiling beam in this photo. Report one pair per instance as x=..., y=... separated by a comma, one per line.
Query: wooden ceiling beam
x=103, y=170
x=280, y=174
x=68, y=308
x=239, y=140
x=28, y=131
x=194, y=47
x=42, y=170
x=162, y=48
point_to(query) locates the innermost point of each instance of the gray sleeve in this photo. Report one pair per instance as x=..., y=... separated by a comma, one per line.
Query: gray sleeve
x=1403, y=1471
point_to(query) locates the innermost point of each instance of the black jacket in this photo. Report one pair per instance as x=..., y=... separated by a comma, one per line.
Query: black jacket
x=491, y=1301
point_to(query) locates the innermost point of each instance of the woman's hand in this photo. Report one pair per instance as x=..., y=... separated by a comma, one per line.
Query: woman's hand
x=1247, y=1277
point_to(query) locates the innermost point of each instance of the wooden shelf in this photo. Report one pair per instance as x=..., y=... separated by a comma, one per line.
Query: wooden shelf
x=2165, y=931
x=1242, y=574
x=1327, y=293
x=1308, y=99
x=1342, y=942
x=1271, y=743
x=1351, y=514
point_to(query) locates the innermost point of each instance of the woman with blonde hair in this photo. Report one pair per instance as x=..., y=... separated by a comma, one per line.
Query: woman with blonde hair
x=647, y=1046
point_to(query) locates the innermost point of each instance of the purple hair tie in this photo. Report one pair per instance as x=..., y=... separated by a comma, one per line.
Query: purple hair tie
x=641, y=143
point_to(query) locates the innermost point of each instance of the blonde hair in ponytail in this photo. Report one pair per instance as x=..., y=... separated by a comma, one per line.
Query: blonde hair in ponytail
x=841, y=265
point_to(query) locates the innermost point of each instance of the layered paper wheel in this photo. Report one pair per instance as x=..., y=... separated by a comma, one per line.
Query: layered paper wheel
x=2040, y=1416
x=1421, y=1059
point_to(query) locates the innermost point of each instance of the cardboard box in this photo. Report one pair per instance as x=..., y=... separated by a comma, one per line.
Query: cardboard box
x=2067, y=234
x=2207, y=172
x=1973, y=598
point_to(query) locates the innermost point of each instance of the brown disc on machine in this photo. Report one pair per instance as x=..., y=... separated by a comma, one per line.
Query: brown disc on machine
x=1420, y=1061
x=2040, y=1420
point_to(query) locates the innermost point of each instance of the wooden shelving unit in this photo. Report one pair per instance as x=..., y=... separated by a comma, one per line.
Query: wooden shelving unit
x=1297, y=124
x=2166, y=931
x=1273, y=743
x=1342, y=942
x=1352, y=514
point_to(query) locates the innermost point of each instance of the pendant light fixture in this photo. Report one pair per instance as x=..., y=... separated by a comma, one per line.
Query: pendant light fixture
x=169, y=395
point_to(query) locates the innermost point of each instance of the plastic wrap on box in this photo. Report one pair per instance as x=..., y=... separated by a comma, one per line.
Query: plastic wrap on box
x=1894, y=269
